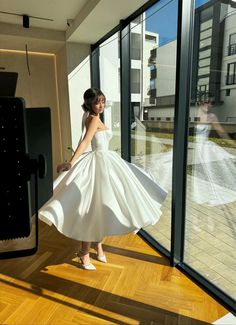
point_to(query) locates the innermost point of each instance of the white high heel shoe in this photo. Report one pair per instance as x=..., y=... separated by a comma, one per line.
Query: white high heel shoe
x=88, y=266
x=102, y=258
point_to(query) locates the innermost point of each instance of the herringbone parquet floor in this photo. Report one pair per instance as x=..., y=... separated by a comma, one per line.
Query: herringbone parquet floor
x=136, y=286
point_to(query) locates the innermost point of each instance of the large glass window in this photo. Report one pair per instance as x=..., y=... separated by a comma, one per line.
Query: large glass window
x=153, y=75
x=109, y=62
x=78, y=82
x=210, y=236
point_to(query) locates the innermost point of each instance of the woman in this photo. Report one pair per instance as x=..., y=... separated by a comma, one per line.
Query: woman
x=214, y=169
x=98, y=193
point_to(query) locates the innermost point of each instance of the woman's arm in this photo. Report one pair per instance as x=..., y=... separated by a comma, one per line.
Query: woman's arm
x=91, y=126
x=218, y=127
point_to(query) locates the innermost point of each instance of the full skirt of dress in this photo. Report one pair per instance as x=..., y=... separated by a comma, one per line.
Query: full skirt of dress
x=214, y=174
x=103, y=195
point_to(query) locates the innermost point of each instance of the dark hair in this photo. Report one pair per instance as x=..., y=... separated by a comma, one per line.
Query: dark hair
x=206, y=98
x=91, y=95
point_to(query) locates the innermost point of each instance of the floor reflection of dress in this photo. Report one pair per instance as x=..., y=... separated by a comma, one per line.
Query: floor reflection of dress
x=214, y=171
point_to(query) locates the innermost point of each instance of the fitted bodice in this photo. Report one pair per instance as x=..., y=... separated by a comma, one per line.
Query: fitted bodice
x=202, y=132
x=101, y=140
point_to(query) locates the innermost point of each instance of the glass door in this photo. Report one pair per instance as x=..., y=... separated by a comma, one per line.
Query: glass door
x=210, y=234
x=153, y=50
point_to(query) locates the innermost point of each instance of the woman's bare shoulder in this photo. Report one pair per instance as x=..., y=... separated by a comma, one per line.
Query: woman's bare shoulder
x=91, y=118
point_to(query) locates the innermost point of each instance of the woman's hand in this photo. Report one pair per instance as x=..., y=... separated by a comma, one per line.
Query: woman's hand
x=64, y=167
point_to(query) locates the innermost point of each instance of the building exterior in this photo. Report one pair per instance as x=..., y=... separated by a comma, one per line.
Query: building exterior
x=213, y=66
x=162, y=108
x=228, y=77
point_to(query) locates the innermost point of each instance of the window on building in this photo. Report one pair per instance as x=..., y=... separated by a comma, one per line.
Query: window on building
x=153, y=73
x=135, y=47
x=153, y=56
x=231, y=74
x=232, y=44
x=152, y=84
x=135, y=81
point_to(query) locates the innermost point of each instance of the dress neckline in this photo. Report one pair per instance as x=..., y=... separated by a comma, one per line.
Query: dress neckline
x=102, y=130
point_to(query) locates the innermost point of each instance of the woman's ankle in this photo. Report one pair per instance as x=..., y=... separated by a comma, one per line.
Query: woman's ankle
x=85, y=259
x=99, y=249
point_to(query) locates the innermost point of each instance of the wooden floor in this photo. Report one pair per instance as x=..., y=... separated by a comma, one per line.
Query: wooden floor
x=136, y=286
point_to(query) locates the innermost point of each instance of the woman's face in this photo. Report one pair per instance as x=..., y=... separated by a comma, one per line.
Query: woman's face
x=98, y=105
x=206, y=106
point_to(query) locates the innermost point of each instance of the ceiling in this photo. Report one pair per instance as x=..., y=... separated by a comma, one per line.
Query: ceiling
x=83, y=21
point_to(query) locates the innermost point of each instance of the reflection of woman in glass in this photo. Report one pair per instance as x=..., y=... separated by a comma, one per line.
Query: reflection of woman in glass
x=214, y=171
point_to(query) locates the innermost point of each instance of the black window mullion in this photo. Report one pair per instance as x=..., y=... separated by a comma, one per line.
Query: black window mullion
x=94, y=67
x=95, y=70
x=183, y=90
x=125, y=91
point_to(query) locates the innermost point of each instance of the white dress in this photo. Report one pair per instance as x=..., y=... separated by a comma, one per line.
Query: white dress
x=214, y=171
x=102, y=195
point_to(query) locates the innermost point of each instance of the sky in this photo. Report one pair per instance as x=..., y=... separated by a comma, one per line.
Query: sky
x=163, y=19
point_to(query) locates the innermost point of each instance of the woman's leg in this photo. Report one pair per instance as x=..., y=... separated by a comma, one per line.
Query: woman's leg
x=99, y=249
x=84, y=252
x=100, y=253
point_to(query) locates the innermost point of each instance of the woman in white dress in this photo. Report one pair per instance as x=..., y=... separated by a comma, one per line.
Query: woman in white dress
x=97, y=193
x=214, y=171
